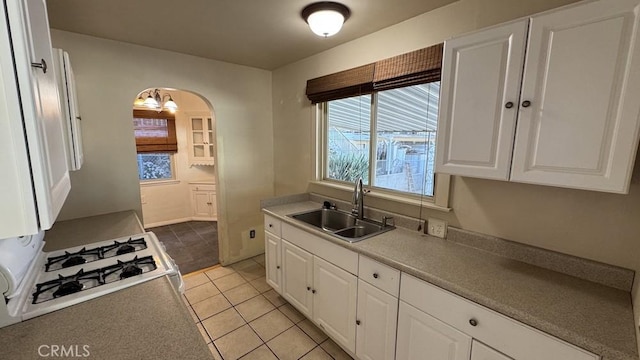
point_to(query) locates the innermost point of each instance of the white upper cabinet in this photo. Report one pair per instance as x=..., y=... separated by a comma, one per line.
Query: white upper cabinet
x=202, y=140
x=576, y=111
x=35, y=181
x=69, y=108
x=480, y=89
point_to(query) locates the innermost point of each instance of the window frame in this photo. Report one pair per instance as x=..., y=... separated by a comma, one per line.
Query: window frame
x=439, y=200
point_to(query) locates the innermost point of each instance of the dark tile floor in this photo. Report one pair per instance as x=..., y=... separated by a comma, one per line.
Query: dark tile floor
x=193, y=244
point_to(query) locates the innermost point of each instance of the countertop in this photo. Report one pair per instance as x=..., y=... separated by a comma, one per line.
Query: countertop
x=592, y=316
x=146, y=321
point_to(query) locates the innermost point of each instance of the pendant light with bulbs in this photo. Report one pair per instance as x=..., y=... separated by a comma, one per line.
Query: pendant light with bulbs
x=325, y=18
x=156, y=101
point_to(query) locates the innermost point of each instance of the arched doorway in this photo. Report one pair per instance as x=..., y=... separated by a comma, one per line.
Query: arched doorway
x=176, y=157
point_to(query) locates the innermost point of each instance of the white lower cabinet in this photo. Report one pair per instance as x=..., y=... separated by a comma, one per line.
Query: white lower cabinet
x=423, y=337
x=502, y=333
x=334, y=302
x=272, y=245
x=203, y=202
x=322, y=292
x=297, y=277
x=377, y=319
x=480, y=351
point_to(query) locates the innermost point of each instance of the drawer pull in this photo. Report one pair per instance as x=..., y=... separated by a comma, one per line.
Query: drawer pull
x=278, y=267
x=375, y=275
x=42, y=65
x=473, y=322
x=526, y=103
x=270, y=225
x=508, y=105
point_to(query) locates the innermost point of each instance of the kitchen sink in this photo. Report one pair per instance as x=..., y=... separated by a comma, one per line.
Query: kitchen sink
x=341, y=224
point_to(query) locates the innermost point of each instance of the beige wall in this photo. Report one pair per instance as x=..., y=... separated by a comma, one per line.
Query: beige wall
x=110, y=74
x=599, y=226
x=171, y=203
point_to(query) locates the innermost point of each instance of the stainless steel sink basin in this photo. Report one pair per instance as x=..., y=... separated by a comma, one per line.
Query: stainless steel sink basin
x=342, y=224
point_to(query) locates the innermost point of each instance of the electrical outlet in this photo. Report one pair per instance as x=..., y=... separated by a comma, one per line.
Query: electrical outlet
x=252, y=234
x=437, y=227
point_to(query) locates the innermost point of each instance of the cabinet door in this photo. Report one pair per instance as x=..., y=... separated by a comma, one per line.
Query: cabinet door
x=481, y=76
x=377, y=320
x=202, y=140
x=201, y=204
x=213, y=205
x=423, y=337
x=41, y=109
x=334, y=302
x=297, y=277
x=581, y=80
x=272, y=261
x=480, y=351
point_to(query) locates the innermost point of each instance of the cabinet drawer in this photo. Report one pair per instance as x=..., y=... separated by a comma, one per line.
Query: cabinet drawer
x=506, y=335
x=272, y=225
x=203, y=187
x=379, y=275
x=336, y=254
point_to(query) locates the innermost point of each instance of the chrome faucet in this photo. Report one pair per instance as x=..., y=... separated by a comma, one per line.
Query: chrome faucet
x=358, y=200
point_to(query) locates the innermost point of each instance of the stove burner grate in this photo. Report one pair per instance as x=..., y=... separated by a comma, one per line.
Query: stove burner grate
x=84, y=256
x=66, y=285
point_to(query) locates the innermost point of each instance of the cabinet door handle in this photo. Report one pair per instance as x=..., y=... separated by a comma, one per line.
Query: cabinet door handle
x=508, y=105
x=308, y=288
x=42, y=65
x=357, y=322
x=278, y=267
x=526, y=103
x=375, y=275
x=270, y=225
x=313, y=291
x=79, y=118
x=473, y=322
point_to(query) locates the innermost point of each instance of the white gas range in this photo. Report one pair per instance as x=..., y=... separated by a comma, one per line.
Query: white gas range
x=36, y=282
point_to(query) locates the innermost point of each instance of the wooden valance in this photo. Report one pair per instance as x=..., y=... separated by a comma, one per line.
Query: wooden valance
x=154, y=131
x=413, y=68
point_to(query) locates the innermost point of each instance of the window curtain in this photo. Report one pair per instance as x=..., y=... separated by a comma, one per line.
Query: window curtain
x=413, y=68
x=154, y=131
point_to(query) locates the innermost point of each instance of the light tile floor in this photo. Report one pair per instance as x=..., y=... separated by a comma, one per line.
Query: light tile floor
x=241, y=317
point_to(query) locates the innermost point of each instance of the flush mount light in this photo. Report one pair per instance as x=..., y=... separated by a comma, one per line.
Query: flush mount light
x=325, y=18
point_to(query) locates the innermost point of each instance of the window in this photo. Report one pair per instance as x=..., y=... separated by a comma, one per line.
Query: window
x=155, y=166
x=402, y=145
x=155, y=134
x=378, y=122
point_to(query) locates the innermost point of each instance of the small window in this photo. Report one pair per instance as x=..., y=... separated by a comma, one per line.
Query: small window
x=155, y=166
x=155, y=134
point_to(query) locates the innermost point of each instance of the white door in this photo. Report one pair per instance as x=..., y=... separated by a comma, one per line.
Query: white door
x=44, y=127
x=480, y=351
x=297, y=277
x=423, y=337
x=377, y=320
x=578, y=123
x=481, y=76
x=272, y=261
x=334, y=303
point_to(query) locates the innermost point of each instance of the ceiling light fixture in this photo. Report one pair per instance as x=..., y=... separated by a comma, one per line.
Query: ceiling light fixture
x=154, y=100
x=325, y=18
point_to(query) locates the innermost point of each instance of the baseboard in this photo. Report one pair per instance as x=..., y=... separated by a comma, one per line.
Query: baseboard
x=176, y=221
x=167, y=222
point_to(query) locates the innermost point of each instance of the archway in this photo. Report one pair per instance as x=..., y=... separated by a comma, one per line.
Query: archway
x=176, y=156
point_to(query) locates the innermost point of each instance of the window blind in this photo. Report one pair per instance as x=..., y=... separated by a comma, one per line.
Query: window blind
x=413, y=68
x=154, y=131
